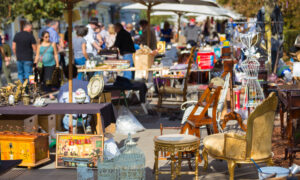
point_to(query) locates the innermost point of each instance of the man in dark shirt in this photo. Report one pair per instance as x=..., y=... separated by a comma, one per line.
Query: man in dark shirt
x=23, y=47
x=125, y=44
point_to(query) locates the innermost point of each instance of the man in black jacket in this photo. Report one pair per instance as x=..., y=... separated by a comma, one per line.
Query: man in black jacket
x=125, y=44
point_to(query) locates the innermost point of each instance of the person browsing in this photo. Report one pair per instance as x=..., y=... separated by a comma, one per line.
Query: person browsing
x=125, y=44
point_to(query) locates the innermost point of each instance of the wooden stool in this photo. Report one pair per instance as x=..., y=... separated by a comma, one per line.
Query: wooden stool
x=176, y=143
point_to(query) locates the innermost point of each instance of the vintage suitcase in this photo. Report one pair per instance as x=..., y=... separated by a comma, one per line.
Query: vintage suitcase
x=31, y=148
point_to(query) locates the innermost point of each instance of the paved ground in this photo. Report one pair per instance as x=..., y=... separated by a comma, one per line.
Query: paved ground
x=217, y=169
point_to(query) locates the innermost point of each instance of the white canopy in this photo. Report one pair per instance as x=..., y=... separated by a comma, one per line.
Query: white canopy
x=184, y=8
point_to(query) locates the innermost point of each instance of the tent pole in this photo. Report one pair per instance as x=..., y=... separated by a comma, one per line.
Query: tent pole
x=149, y=6
x=70, y=13
x=178, y=28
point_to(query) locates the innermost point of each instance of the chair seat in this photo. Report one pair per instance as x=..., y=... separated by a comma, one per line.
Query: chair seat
x=214, y=144
x=170, y=90
x=176, y=139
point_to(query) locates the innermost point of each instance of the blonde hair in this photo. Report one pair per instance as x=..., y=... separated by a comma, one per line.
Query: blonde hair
x=111, y=29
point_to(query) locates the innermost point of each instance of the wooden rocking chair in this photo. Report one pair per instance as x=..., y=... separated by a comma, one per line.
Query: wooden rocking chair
x=163, y=90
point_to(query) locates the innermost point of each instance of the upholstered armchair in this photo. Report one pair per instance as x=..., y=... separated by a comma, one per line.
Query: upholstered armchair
x=239, y=149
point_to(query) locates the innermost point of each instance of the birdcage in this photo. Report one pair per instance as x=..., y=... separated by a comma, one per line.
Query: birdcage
x=131, y=162
x=107, y=170
x=84, y=172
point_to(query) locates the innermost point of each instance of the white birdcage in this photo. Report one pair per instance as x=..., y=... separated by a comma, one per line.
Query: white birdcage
x=253, y=92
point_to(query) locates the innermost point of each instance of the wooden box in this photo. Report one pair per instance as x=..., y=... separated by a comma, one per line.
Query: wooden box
x=47, y=122
x=143, y=61
x=32, y=148
x=24, y=123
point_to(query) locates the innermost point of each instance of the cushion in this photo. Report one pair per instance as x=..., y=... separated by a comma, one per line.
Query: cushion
x=170, y=90
x=214, y=144
x=176, y=139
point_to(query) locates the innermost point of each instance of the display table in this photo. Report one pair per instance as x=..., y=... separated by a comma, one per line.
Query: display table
x=289, y=96
x=105, y=110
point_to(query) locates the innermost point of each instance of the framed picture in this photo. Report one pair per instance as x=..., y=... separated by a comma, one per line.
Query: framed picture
x=75, y=149
x=161, y=47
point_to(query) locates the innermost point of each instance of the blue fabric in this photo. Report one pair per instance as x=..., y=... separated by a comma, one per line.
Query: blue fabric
x=24, y=70
x=136, y=47
x=166, y=32
x=128, y=74
x=48, y=56
x=80, y=61
x=54, y=37
x=42, y=30
x=0, y=53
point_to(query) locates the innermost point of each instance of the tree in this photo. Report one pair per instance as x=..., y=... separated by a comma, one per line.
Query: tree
x=34, y=10
x=249, y=8
x=5, y=11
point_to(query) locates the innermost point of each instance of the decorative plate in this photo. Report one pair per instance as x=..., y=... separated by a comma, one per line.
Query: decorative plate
x=95, y=86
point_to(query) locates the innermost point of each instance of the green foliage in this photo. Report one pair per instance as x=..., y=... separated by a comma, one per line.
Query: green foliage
x=290, y=9
x=155, y=20
x=33, y=10
x=5, y=10
x=289, y=38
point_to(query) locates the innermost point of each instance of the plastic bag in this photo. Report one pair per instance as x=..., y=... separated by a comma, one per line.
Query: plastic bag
x=127, y=123
x=111, y=149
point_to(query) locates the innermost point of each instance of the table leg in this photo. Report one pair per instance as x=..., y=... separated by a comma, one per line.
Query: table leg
x=281, y=119
x=99, y=127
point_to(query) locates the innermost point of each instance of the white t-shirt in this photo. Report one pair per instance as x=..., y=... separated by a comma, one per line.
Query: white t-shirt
x=90, y=39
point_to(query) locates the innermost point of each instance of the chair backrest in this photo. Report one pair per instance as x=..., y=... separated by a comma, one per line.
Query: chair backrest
x=223, y=93
x=187, y=75
x=260, y=128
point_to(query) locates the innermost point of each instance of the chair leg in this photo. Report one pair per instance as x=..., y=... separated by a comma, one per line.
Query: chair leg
x=231, y=165
x=159, y=102
x=196, y=163
x=205, y=158
x=156, y=165
x=179, y=164
x=173, y=173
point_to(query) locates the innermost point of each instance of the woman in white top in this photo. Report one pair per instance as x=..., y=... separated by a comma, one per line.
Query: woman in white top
x=111, y=38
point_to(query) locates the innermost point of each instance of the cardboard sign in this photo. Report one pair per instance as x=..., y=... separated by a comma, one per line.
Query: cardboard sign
x=296, y=69
x=205, y=60
x=74, y=149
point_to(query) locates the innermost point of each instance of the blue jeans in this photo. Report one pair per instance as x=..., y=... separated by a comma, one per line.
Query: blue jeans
x=80, y=61
x=128, y=74
x=24, y=69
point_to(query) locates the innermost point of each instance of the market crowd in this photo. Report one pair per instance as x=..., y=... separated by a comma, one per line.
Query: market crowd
x=44, y=54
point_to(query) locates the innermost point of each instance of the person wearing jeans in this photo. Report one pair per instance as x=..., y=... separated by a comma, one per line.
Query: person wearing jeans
x=24, y=69
x=80, y=48
x=23, y=46
x=125, y=44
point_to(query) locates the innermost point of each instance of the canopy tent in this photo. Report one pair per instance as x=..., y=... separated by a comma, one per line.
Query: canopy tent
x=182, y=9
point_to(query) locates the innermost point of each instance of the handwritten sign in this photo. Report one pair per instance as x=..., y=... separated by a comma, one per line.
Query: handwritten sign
x=75, y=149
x=296, y=69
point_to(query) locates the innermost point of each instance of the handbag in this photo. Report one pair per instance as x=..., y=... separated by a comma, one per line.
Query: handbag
x=40, y=62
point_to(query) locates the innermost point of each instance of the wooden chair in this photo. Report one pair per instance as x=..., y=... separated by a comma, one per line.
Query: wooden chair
x=163, y=90
x=195, y=121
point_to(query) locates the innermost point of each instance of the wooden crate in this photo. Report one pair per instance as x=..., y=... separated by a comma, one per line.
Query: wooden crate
x=47, y=122
x=32, y=148
x=26, y=123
